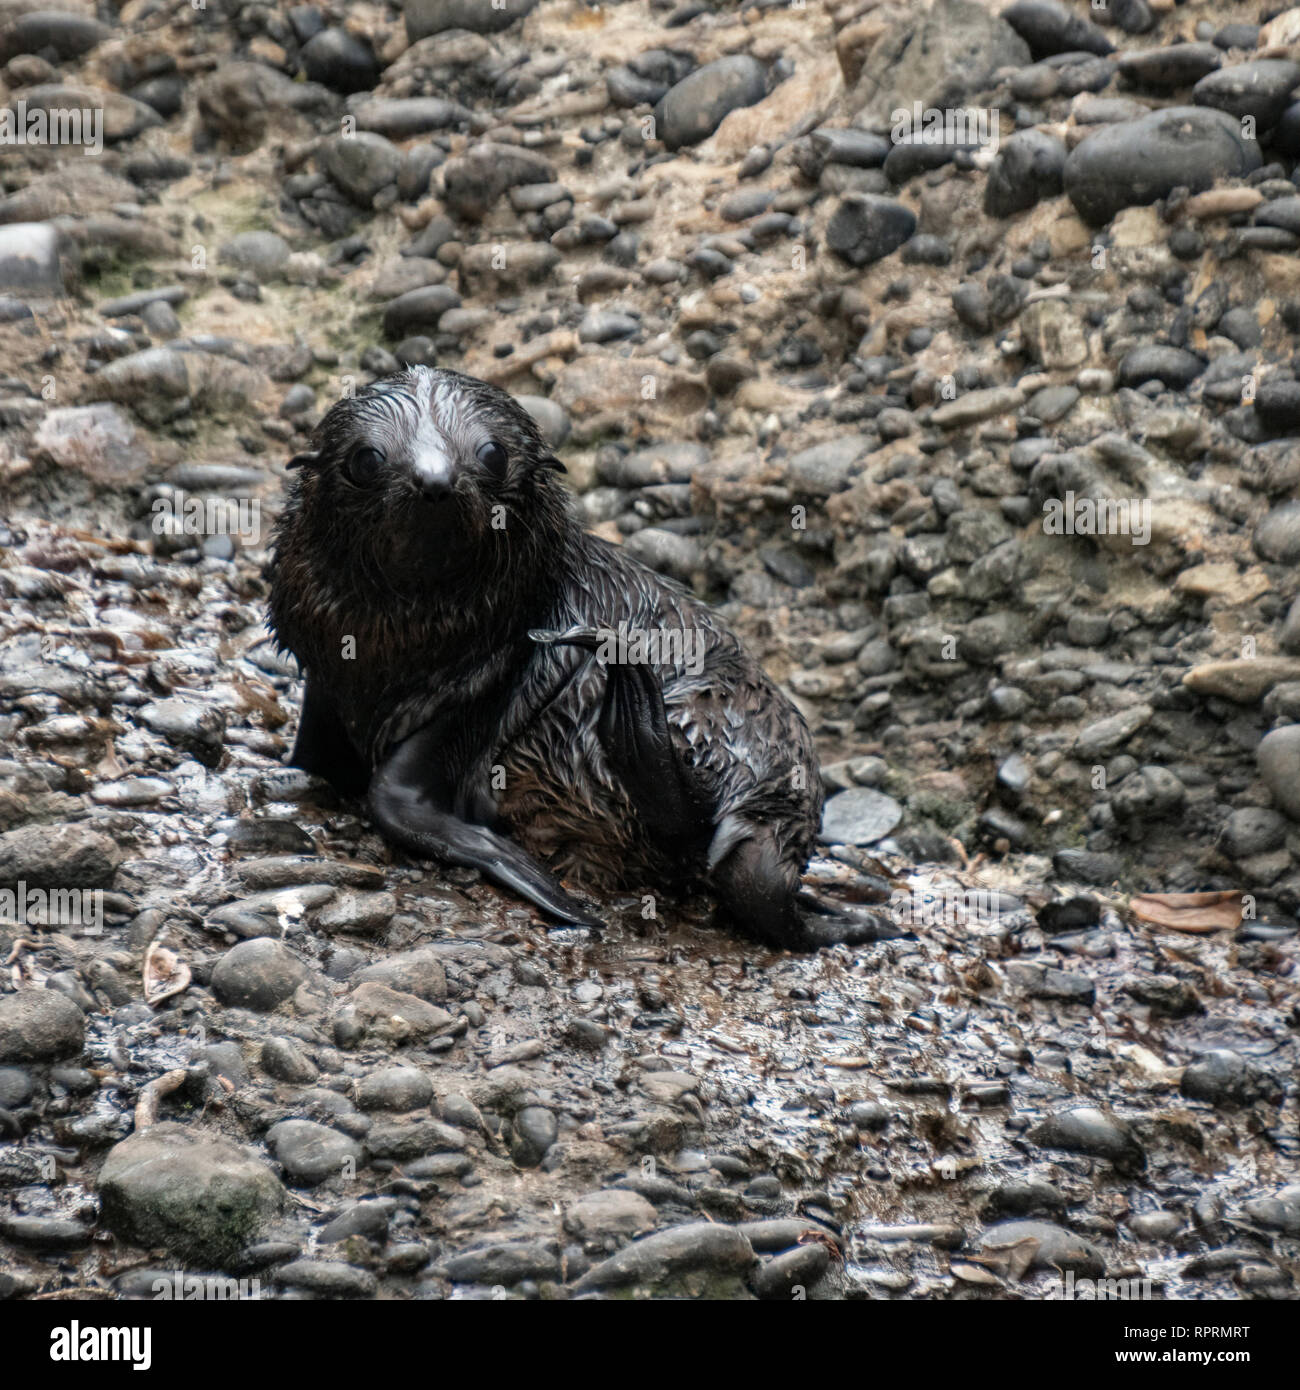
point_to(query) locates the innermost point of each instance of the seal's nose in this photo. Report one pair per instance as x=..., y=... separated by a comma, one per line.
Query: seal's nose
x=432, y=471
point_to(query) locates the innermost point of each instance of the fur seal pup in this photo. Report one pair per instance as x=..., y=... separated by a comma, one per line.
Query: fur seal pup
x=460, y=635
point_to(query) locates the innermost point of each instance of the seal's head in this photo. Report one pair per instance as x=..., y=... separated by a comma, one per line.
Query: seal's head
x=422, y=467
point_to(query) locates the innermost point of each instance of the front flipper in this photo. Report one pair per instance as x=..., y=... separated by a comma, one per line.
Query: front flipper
x=760, y=894
x=323, y=747
x=410, y=809
x=633, y=730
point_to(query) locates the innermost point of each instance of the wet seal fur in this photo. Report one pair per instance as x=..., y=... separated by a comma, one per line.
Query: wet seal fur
x=454, y=622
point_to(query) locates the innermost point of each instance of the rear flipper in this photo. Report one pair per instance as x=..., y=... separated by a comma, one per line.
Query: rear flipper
x=761, y=895
x=323, y=747
x=633, y=731
x=410, y=808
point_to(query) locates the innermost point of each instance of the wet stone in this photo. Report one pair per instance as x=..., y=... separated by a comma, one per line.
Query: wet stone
x=1252, y=830
x=1090, y=1131
x=673, y=1255
x=15, y=1087
x=1049, y=27
x=1054, y=1247
x=393, y=1016
x=1039, y=982
x=369, y=1219
x=779, y=1277
x=1278, y=756
x=1135, y=162
x=1025, y=1197
x=860, y=816
x=259, y=974
x=200, y=1196
x=265, y=914
x=395, y=1088
x=535, y=1130
x=1225, y=1078
x=616, y=1212
x=417, y=972
x=37, y=1025
x=1156, y=1225
x=312, y=1153
x=505, y=1262
x=338, y=60
x=285, y=1061
x=865, y=228
x=1259, y=91
x=363, y=913
x=694, y=108
x=361, y=164
x=197, y=728
x=1168, y=69
x=1029, y=167
x=1164, y=995
x=57, y=856
x=263, y=255
x=45, y=1232
x=404, y=1139
x=328, y=1279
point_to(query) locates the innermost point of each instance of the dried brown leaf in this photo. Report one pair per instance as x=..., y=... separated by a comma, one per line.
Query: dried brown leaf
x=165, y=974
x=1190, y=912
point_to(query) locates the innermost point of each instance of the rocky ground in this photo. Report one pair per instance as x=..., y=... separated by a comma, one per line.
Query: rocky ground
x=844, y=384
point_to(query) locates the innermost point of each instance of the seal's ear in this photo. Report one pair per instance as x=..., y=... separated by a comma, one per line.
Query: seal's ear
x=304, y=460
x=551, y=462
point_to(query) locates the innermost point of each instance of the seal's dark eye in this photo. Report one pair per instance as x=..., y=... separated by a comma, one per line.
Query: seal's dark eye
x=492, y=456
x=363, y=466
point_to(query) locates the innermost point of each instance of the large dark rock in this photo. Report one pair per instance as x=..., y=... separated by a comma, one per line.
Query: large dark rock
x=199, y=1196
x=1168, y=69
x=418, y=311
x=865, y=228
x=1278, y=756
x=400, y=118
x=361, y=164
x=1277, y=536
x=1225, y=1078
x=1174, y=367
x=693, y=109
x=653, y=1261
x=340, y=61
x=1048, y=27
x=1259, y=91
x=39, y=1025
x=939, y=60
x=122, y=116
x=239, y=102
x=425, y=17
x=257, y=974
x=1029, y=167
x=65, y=35
x=473, y=182
x=58, y=856
x=1136, y=162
